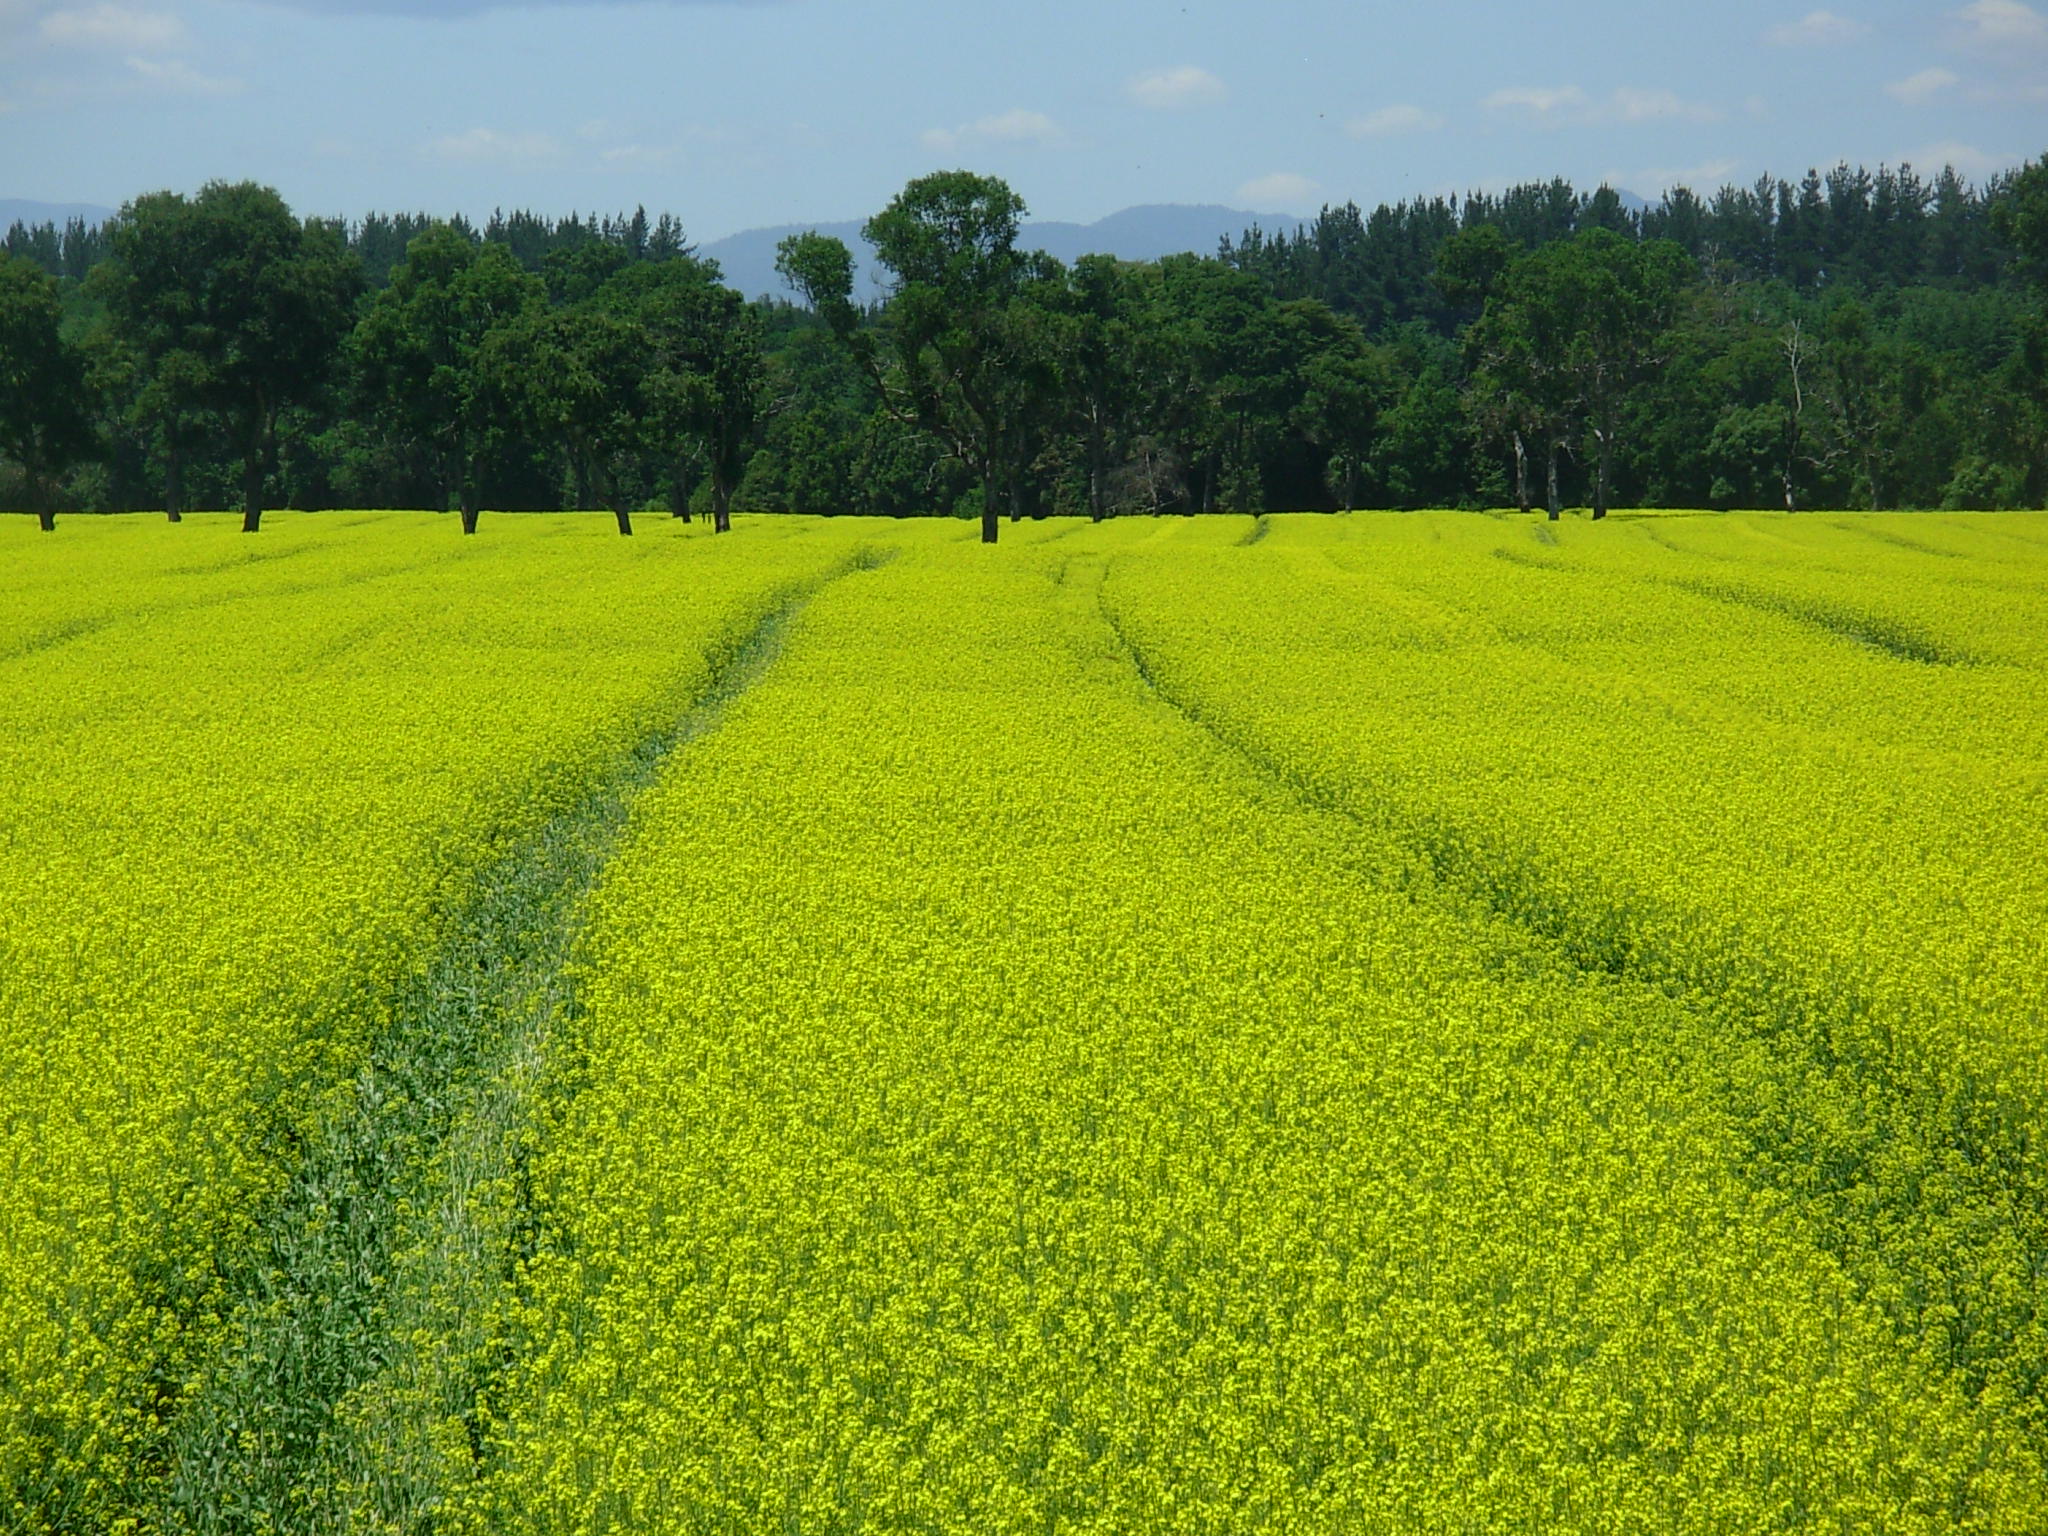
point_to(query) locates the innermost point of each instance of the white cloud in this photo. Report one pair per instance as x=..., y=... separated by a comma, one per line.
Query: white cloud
x=1544, y=101
x=487, y=146
x=1283, y=191
x=1817, y=29
x=1628, y=104
x=1633, y=105
x=1917, y=90
x=1707, y=177
x=1967, y=158
x=1388, y=121
x=114, y=26
x=1185, y=86
x=2003, y=24
x=1015, y=127
x=180, y=77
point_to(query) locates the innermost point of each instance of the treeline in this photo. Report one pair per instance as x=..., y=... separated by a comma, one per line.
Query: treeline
x=1856, y=339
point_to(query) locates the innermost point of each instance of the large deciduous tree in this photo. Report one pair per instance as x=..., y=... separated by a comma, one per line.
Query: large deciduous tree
x=704, y=372
x=1574, y=328
x=420, y=352
x=45, y=423
x=970, y=358
x=238, y=309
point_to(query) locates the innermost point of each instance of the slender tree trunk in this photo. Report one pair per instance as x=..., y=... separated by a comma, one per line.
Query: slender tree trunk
x=1521, y=472
x=174, y=480
x=252, y=489
x=625, y=518
x=470, y=509
x=721, y=504
x=991, y=522
x=1556, y=506
x=1603, y=458
x=1096, y=455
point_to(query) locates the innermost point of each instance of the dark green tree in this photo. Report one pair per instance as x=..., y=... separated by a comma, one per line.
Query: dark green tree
x=704, y=372
x=962, y=364
x=238, y=308
x=420, y=348
x=45, y=414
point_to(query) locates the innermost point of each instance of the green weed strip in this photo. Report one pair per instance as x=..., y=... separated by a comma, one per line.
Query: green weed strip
x=1115, y=1032
x=1065, y=1129
x=232, y=1057
x=1896, y=1092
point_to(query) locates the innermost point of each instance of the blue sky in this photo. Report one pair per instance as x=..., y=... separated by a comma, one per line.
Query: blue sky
x=738, y=113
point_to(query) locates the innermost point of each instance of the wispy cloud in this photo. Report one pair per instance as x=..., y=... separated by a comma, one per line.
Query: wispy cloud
x=1967, y=158
x=1709, y=175
x=1632, y=105
x=114, y=26
x=1390, y=121
x=2003, y=25
x=180, y=78
x=1627, y=104
x=1183, y=86
x=1817, y=29
x=489, y=146
x=1282, y=191
x=1918, y=90
x=1014, y=127
x=1544, y=101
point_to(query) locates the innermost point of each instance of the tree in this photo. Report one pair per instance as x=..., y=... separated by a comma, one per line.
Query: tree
x=420, y=352
x=1344, y=385
x=45, y=423
x=704, y=372
x=238, y=307
x=1579, y=325
x=964, y=366
x=577, y=376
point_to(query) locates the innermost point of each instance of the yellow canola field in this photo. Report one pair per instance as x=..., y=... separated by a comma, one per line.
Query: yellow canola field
x=239, y=781
x=1791, y=770
x=1004, y=1106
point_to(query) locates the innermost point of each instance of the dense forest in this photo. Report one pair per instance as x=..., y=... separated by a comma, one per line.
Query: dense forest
x=1854, y=339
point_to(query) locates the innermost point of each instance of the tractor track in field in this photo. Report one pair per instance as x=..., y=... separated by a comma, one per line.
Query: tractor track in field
x=365, y=1333
x=1821, y=1079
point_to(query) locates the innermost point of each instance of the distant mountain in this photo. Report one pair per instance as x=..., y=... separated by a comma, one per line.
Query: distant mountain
x=17, y=210
x=1136, y=234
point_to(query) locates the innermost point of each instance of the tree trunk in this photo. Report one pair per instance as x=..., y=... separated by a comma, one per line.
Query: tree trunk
x=1096, y=455
x=470, y=511
x=46, y=519
x=1556, y=506
x=174, y=481
x=1521, y=472
x=1603, y=457
x=721, y=505
x=252, y=490
x=991, y=523
x=624, y=517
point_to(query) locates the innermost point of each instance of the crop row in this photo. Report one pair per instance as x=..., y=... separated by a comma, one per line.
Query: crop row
x=240, y=792
x=1002, y=1105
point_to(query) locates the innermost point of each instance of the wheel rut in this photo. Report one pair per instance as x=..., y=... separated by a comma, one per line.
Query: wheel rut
x=1824, y=1104
x=365, y=1331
